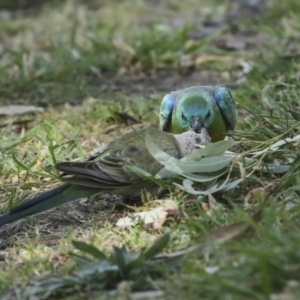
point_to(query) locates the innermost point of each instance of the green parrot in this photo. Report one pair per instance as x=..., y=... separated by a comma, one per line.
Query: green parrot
x=196, y=107
x=107, y=171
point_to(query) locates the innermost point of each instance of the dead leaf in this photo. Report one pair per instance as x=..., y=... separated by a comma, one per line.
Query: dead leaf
x=167, y=204
x=205, y=206
x=159, y=223
x=232, y=231
x=147, y=217
x=155, y=217
x=10, y=110
x=203, y=58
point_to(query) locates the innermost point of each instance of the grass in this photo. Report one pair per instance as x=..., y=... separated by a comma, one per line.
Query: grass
x=98, y=68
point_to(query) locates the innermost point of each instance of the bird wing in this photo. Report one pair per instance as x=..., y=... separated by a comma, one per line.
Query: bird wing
x=226, y=105
x=166, y=111
x=109, y=169
x=109, y=172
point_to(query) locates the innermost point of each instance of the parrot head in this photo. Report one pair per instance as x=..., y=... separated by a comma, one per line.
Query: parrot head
x=196, y=108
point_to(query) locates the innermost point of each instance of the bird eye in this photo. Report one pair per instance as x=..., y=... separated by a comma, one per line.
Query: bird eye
x=207, y=115
x=198, y=140
x=183, y=116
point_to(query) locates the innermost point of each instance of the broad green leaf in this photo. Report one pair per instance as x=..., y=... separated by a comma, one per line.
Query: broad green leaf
x=119, y=255
x=277, y=169
x=145, y=175
x=205, y=177
x=89, y=249
x=79, y=259
x=51, y=285
x=276, y=145
x=187, y=186
x=164, y=173
x=214, y=149
x=274, y=168
x=227, y=186
x=205, y=165
x=157, y=247
x=96, y=266
x=161, y=156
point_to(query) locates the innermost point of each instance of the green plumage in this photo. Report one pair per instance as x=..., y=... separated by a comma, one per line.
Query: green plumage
x=107, y=171
x=211, y=107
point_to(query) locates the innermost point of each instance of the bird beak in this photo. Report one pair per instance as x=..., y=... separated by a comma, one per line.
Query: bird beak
x=196, y=124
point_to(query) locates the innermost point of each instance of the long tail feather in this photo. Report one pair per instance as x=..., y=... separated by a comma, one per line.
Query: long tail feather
x=55, y=197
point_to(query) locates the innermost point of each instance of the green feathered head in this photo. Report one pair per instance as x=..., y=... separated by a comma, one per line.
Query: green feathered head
x=201, y=106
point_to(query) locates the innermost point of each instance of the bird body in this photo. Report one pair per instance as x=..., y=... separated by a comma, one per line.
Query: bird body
x=208, y=111
x=196, y=107
x=108, y=171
